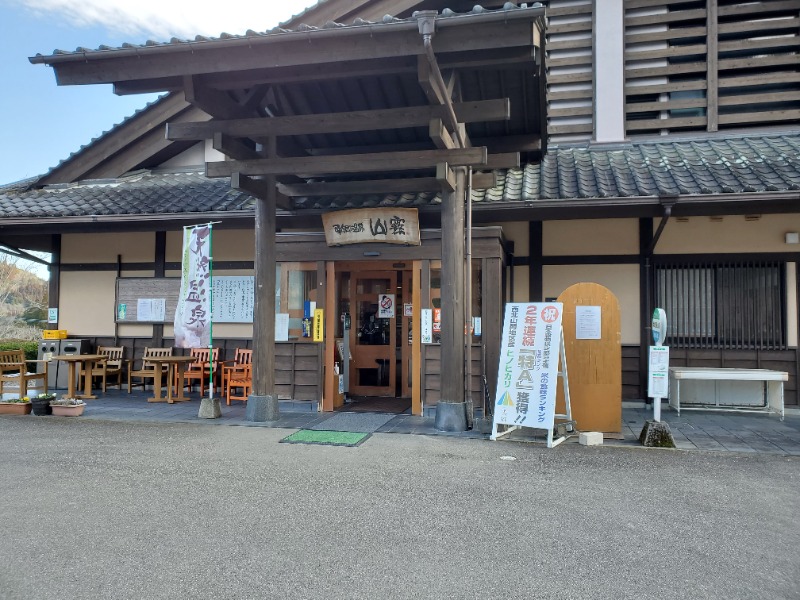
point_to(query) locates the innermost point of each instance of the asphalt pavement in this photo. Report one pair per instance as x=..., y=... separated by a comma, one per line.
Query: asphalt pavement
x=124, y=509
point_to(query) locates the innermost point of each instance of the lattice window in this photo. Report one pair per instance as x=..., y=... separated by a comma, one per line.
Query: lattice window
x=711, y=64
x=723, y=305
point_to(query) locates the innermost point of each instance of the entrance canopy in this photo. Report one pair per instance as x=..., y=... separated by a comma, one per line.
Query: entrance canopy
x=347, y=108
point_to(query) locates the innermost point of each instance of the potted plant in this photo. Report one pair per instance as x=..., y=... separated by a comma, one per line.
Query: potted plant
x=67, y=407
x=41, y=404
x=15, y=406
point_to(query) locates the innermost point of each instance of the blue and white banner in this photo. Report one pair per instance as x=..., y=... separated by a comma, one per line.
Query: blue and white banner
x=193, y=313
x=528, y=374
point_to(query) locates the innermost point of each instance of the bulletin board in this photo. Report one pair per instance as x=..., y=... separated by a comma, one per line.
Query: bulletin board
x=233, y=299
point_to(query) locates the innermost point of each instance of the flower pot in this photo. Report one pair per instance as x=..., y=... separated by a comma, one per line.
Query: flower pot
x=75, y=410
x=40, y=407
x=15, y=408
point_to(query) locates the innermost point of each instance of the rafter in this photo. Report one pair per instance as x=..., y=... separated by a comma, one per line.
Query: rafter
x=259, y=189
x=364, y=120
x=354, y=163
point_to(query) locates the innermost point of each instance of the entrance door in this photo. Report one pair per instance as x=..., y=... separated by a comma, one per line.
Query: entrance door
x=373, y=335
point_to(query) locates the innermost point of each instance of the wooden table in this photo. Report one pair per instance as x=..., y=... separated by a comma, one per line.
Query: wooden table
x=176, y=362
x=74, y=362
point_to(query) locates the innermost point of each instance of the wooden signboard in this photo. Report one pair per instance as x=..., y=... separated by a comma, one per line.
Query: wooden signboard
x=233, y=299
x=363, y=225
x=592, y=340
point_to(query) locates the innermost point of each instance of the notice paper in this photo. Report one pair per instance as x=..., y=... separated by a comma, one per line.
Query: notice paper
x=587, y=323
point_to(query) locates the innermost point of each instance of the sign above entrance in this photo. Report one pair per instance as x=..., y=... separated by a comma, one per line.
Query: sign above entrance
x=364, y=225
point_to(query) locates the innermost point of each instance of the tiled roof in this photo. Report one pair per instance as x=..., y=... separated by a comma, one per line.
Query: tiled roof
x=139, y=193
x=275, y=31
x=708, y=166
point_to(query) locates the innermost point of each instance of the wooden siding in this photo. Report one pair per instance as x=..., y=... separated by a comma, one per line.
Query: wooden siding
x=711, y=65
x=431, y=389
x=568, y=59
x=297, y=364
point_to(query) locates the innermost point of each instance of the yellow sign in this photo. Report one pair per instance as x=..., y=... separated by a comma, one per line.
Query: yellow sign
x=319, y=324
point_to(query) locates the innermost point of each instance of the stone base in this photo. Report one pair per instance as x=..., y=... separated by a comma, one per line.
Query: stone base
x=482, y=425
x=656, y=434
x=590, y=438
x=451, y=416
x=262, y=408
x=209, y=409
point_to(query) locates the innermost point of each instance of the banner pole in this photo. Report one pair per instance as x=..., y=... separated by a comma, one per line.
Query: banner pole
x=211, y=310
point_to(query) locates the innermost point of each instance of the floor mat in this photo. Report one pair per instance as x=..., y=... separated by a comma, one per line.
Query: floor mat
x=326, y=438
x=354, y=422
x=378, y=405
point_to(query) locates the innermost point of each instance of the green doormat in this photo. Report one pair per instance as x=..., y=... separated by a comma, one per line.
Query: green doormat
x=326, y=438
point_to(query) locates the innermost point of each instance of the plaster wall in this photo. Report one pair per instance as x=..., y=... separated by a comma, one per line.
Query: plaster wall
x=622, y=280
x=729, y=234
x=87, y=303
x=228, y=244
x=104, y=247
x=589, y=237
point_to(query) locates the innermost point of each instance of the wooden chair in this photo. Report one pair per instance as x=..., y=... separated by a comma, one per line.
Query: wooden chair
x=148, y=370
x=242, y=357
x=111, y=366
x=14, y=368
x=239, y=380
x=199, y=368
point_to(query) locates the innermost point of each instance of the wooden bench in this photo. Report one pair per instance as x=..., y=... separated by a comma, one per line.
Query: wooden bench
x=14, y=368
x=727, y=389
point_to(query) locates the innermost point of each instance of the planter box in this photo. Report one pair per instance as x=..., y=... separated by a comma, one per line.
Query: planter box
x=68, y=411
x=15, y=408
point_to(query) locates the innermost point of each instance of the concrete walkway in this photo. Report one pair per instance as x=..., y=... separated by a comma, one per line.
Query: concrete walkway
x=692, y=430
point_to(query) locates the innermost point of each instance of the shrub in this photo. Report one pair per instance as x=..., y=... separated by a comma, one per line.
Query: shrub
x=31, y=348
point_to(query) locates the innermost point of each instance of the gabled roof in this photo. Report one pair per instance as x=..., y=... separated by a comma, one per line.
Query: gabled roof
x=694, y=170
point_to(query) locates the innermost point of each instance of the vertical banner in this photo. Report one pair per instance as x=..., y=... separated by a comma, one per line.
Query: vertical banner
x=193, y=313
x=526, y=381
x=319, y=325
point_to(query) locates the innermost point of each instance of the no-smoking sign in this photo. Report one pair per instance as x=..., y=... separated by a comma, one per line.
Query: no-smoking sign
x=385, y=306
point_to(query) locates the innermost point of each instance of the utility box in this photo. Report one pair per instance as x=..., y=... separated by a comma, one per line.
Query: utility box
x=57, y=371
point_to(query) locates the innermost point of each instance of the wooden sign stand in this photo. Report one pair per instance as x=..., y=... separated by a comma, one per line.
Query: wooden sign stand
x=566, y=418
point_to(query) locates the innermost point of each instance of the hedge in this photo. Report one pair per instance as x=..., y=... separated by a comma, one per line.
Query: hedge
x=31, y=348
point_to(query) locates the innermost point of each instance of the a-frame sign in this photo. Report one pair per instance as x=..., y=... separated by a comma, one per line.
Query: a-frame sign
x=533, y=343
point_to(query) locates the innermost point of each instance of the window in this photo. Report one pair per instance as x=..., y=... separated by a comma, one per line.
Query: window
x=723, y=305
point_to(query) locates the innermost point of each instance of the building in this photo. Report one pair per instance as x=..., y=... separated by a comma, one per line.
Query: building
x=651, y=146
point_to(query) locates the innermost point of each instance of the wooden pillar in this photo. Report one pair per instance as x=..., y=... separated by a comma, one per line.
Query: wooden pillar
x=262, y=405
x=54, y=283
x=159, y=272
x=535, y=262
x=451, y=409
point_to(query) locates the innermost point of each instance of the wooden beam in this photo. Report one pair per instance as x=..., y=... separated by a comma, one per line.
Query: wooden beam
x=441, y=136
x=353, y=163
x=480, y=181
x=233, y=147
x=446, y=178
x=213, y=102
x=259, y=189
x=363, y=120
x=484, y=181
x=372, y=186
x=509, y=160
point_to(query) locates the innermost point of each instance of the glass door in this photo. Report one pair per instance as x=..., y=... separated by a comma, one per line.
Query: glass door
x=373, y=335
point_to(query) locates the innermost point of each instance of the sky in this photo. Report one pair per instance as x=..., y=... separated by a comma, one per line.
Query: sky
x=44, y=123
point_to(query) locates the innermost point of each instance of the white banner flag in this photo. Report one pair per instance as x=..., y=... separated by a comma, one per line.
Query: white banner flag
x=526, y=381
x=193, y=313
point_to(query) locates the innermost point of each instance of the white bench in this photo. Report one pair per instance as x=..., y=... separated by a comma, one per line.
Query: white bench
x=727, y=389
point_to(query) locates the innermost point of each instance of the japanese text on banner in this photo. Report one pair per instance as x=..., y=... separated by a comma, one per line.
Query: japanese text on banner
x=193, y=313
x=526, y=382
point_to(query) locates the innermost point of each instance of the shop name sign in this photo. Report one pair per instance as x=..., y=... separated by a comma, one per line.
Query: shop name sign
x=365, y=225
